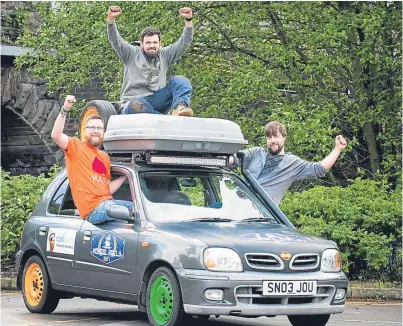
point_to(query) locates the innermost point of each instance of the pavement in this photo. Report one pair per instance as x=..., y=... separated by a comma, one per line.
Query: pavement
x=353, y=293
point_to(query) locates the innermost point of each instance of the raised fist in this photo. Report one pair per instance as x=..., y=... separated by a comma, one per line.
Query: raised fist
x=186, y=12
x=113, y=12
x=68, y=102
x=341, y=143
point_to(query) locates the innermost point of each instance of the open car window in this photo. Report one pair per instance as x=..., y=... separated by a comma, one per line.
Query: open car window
x=62, y=203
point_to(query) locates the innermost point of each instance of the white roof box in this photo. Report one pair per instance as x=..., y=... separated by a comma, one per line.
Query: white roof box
x=153, y=132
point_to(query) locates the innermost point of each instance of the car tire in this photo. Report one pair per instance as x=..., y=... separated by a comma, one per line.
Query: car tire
x=164, y=299
x=103, y=108
x=39, y=297
x=311, y=320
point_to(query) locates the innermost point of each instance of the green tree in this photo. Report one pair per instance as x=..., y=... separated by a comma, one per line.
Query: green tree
x=322, y=68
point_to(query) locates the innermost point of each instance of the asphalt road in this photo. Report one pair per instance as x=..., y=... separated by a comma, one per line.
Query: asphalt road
x=78, y=312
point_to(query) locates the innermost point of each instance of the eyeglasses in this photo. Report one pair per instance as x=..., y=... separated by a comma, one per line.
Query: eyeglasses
x=93, y=128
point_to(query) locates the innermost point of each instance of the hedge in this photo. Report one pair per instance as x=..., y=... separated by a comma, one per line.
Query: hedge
x=19, y=195
x=364, y=219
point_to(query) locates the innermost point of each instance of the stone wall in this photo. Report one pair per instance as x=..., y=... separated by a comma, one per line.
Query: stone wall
x=28, y=110
x=28, y=114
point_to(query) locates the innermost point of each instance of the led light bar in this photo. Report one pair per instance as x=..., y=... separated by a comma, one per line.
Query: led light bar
x=180, y=160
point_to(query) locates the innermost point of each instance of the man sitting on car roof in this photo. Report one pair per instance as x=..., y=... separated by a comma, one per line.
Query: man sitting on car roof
x=88, y=168
x=144, y=81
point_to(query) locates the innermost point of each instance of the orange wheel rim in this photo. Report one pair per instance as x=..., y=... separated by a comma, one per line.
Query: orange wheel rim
x=33, y=284
x=90, y=111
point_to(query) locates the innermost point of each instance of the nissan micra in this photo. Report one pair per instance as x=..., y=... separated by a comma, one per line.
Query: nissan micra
x=201, y=241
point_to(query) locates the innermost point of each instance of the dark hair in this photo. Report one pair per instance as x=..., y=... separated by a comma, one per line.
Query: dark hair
x=273, y=127
x=150, y=31
x=95, y=117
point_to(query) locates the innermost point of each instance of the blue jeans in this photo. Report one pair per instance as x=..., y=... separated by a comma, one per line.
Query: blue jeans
x=177, y=89
x=99, y=213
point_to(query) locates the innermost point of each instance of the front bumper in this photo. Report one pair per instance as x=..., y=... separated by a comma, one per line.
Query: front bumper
x=243, y=293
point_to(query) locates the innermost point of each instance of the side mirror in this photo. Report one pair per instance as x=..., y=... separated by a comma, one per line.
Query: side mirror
x=119, y=212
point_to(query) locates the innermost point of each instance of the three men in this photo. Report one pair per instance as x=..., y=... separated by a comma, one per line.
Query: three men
x=88, y=168
x=276, y=170
x=145, y=89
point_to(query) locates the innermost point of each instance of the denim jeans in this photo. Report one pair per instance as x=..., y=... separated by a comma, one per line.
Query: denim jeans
x=176, y=90
x=99, y=213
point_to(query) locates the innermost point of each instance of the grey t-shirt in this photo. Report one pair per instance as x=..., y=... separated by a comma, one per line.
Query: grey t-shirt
x=290, y=168
x=271, y=163
x=143, y=77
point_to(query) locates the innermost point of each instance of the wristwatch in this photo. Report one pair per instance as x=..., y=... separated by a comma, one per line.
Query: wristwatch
x=188, y=19
x=63, y=112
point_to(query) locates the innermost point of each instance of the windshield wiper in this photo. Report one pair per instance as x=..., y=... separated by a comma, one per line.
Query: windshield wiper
x=258, y=219
x=210, y=219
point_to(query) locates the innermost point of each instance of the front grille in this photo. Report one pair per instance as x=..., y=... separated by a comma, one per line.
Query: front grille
x=304, y=262
x=252, y=294
x=264, y=261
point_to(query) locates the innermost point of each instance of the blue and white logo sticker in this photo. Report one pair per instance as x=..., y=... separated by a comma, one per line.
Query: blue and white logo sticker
x=108, y=247
x=273, y=238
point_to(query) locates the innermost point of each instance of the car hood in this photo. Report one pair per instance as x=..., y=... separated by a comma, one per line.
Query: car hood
x=249, y=237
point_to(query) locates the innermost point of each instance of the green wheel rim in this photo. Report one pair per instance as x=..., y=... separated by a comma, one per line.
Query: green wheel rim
x=161, y=300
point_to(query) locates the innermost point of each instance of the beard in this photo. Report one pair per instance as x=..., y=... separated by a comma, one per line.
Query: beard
x=151, y=55
x=93, y=142
x=276, y=150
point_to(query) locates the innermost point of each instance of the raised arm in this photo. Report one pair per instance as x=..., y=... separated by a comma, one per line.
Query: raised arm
x=174, y=51
x=57, y=134
x=311, y=170
x=329, y=160
x=122, y=48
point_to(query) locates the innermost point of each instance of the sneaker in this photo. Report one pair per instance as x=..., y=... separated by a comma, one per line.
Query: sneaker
x=182, y=110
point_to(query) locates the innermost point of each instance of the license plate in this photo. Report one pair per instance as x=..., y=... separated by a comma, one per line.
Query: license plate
x=289, y=287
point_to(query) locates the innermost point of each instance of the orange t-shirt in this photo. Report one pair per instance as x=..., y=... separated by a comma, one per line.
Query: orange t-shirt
x=89, y=173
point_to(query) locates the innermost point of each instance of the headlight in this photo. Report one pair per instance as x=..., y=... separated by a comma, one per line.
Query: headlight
x=222, y=260
x=331, y=261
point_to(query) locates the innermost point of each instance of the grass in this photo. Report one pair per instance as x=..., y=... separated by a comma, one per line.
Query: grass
x=375, y=284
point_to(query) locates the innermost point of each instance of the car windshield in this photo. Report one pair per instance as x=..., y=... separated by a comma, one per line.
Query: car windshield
x=207, y=196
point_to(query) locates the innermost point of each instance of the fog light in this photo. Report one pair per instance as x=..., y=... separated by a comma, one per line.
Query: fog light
x=214, y=294
x=340, y=294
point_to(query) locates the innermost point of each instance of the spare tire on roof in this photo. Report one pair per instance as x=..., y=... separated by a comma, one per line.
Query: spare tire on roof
x=103, y=108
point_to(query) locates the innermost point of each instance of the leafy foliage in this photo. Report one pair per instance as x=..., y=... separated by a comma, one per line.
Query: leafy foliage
x=19, y=195
x=364, y=219
x=322, y=68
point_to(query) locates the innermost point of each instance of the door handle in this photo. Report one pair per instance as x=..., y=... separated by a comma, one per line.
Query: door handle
x=42, y=230
x=87, y=235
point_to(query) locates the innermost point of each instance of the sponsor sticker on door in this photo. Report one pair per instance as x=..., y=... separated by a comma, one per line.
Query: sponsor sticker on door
x=61, y=241
x=107, y=247
x=289, y=288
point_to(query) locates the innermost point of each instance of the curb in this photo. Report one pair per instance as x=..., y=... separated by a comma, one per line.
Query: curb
x=353, y=293
x=388, y=294
x=9, y=283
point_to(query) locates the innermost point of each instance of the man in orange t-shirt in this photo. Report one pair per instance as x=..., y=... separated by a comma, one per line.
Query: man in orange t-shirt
x=88, y=168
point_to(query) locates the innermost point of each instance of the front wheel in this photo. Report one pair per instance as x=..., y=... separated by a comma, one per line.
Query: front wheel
x=164, y=298
x=311, y=320
x=39, y=297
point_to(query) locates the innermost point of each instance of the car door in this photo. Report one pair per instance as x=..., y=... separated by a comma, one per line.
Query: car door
x=56, y=233
x=106, y=256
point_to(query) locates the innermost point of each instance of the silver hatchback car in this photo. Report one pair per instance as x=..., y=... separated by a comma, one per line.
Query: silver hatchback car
x=201, y=241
